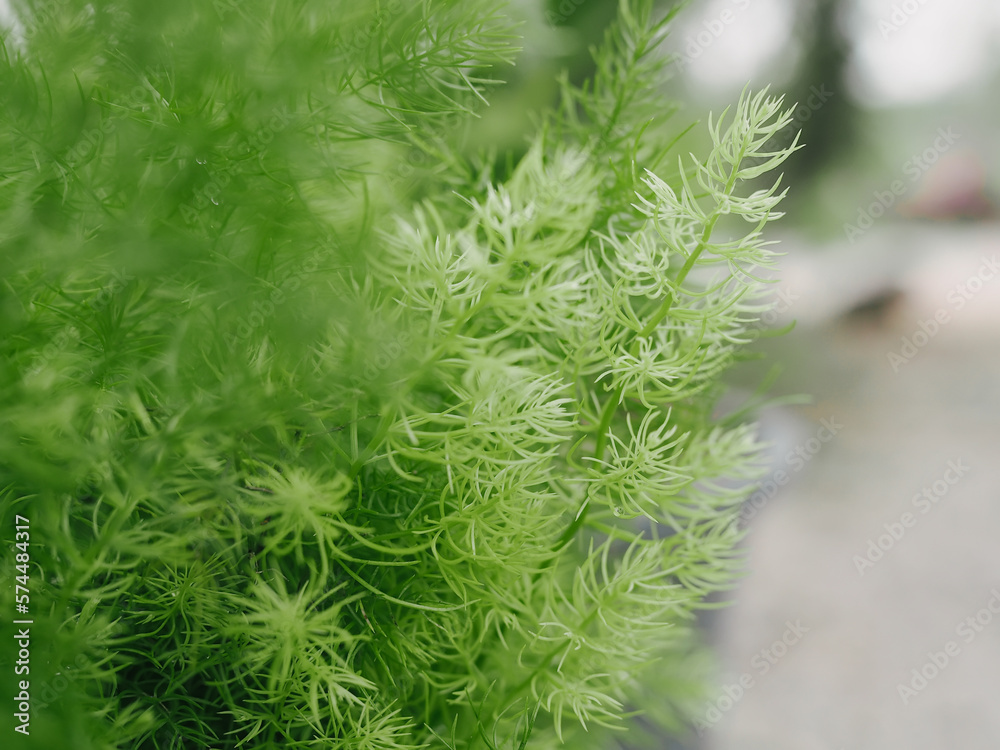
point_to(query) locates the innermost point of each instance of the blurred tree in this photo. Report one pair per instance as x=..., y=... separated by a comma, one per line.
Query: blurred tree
x=826, y=114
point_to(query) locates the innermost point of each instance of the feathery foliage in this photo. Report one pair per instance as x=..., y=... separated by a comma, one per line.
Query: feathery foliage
x=322, y=449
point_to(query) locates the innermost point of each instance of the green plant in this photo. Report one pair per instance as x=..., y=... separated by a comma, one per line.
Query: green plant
x=319, y=449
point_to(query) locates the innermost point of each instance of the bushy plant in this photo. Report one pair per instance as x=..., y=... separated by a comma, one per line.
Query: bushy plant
x=332, y=432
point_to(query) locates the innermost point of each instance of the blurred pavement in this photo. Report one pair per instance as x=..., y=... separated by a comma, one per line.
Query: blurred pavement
x=862, y=593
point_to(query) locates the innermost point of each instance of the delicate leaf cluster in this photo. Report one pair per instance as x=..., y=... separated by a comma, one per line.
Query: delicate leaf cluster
x=314, y=458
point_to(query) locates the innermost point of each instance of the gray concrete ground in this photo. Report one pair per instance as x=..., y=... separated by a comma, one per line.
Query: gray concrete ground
x=870, y=561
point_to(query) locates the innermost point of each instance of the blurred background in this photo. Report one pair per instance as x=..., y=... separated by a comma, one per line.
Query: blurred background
x=873, y=551
x=869, y=615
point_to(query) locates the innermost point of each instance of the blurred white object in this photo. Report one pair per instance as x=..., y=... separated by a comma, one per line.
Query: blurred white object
x=928, y=264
